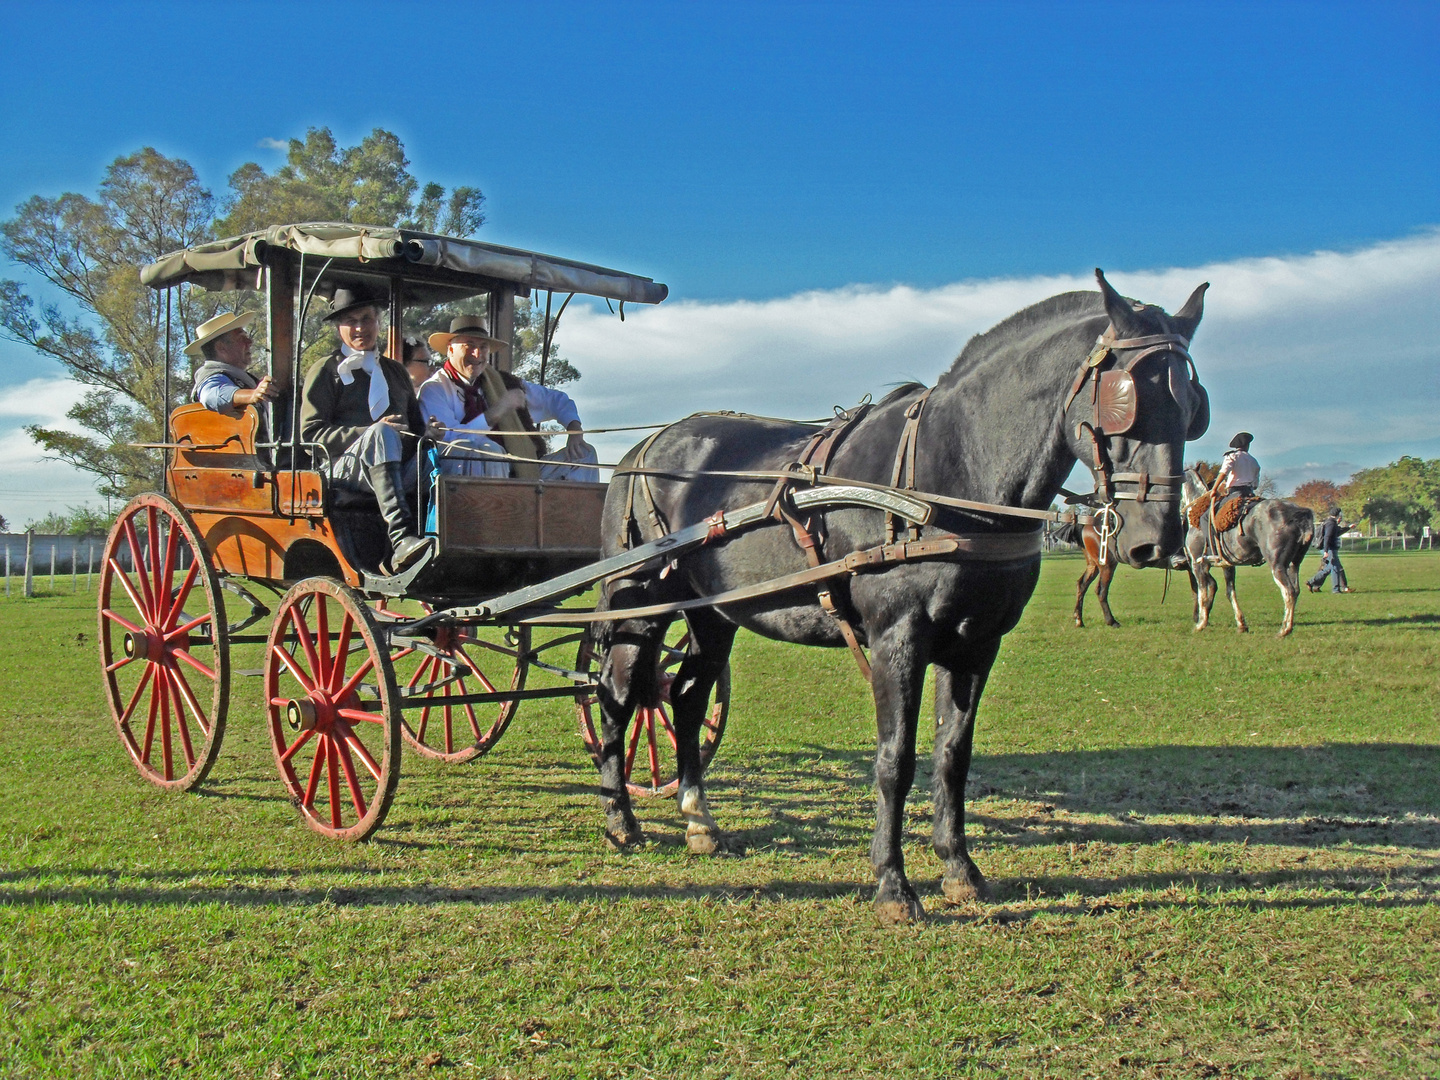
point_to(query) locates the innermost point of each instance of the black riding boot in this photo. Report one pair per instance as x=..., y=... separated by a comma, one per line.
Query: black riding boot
x=387, y=481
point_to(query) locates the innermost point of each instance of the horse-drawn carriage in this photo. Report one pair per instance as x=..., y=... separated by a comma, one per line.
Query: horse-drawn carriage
x=250, y=530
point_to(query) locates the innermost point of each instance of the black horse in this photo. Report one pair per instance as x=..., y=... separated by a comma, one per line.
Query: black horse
x=1004, y=425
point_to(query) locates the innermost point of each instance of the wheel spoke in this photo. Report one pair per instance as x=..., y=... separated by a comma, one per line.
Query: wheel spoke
x=181, y=654
x=361, y=715
x=135, y=697
x=654, y=753
x=183, y=687
x=150, y=720
x=165, y=572
x=124, y=580
x=289, y=661
x=475, y=670
x=305, y=736
x=449, y=726
x=419, y=671
x=181, y=595
x=470, y=709
x=152, y=531
x=322, y=641
x=139, y=564
x=635, y=740
x=118, y=664
x=315, y=766
x=356, y=798
x=167, y=752
x=180, y=724
x=297, y=620
x=187, y=627
x=354, y=680
x=333, y=775
x=342, y=650
x=359, y=747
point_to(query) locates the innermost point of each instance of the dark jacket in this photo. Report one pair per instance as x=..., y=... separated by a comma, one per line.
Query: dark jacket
x=333, y=414
x=1330, y=531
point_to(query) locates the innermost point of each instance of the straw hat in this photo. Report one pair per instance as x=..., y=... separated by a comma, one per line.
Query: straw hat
x=469, y=326
x=211, y=329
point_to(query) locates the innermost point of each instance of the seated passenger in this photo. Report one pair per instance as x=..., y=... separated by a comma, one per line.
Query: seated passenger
x=417, y=362
x=360, y=407
x=223, y=382
x=469, y=396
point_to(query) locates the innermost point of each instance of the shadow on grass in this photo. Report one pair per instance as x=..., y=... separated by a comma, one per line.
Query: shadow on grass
x=1073, y=894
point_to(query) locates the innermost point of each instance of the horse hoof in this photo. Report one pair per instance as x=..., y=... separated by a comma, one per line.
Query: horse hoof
x=962, y=891
x=624, y=834
x=899, y=912
x=703, y=842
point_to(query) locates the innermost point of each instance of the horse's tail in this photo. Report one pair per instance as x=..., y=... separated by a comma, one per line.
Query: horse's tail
x=1069, y=532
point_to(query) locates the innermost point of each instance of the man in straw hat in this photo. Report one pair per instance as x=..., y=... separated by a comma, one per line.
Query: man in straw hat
x=360, y=406
x=469, y=397
x=223, y=382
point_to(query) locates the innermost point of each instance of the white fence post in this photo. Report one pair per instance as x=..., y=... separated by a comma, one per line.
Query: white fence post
x=7, y=567
x=52, y=567
x=29, y=563
x=89, y=564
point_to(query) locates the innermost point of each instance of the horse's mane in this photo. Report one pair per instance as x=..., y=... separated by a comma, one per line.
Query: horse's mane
x=1040, y=316
x=902, y=390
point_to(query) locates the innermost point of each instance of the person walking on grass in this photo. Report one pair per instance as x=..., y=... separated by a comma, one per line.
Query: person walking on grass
x=1330, y=533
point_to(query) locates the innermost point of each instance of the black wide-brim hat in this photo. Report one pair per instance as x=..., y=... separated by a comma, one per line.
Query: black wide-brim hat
x=1242, y=440
x=347, y=300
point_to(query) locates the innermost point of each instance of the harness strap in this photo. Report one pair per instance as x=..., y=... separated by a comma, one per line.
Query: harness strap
x=952, y=547
x=903, y=475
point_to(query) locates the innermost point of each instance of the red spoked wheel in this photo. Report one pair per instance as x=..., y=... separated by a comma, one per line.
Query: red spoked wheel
x=461, y=660
x=163, y=644
x=333, y=709
x=651, y=727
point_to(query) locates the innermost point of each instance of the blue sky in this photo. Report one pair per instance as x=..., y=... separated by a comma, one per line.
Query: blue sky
x=753, y=152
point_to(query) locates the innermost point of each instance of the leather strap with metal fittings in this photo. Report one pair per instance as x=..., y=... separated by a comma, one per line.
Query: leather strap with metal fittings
x=903, y=475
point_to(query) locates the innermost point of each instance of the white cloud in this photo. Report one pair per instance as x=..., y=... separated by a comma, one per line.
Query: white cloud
x=1328, y=357
x=30, y=486
x=268, y=143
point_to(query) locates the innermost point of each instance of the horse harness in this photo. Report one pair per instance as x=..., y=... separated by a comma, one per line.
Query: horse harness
x=1114, y=402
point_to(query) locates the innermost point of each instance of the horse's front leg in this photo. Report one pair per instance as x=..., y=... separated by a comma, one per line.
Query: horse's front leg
x=1086, y=576
x=897, y=677
x=1288, y=579
x=1102, y=590
x=627, y=680
x=1241, y=626
x=959, y=681
x=710, y=640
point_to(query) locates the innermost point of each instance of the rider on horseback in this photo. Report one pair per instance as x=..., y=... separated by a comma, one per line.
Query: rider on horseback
x=1238, y=470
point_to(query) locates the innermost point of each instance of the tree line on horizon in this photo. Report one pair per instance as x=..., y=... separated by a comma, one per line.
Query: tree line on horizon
x=85, y=308
x=1403, y=495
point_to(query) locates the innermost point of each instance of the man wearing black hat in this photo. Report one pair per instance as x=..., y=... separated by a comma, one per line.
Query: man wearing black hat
x=1239, y=472
x=1330, y=532
x=360, y=406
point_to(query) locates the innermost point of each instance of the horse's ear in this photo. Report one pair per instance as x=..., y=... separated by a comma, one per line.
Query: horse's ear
x=1188, y=317
x=1122, y=315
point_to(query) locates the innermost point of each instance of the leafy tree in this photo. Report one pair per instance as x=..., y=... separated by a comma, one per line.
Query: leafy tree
x=1402, y=495
x=1317, y=495
x=52, y=524
x=4, y=525
x=368, y=184
x=529, y=344
x=110, y=335
x=109, y=332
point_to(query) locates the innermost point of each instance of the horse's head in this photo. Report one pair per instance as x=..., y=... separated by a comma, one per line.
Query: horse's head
x=1193, y=488
x=1134, y=403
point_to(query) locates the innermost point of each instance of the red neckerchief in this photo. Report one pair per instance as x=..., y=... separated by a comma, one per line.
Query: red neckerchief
x=474, y=396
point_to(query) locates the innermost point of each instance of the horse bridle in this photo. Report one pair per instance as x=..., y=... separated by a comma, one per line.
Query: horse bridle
x=1114, y=407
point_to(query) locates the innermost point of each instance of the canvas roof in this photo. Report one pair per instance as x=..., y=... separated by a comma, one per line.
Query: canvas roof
x=447, y=262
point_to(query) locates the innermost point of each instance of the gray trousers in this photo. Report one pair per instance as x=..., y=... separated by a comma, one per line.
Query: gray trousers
x=379, y=444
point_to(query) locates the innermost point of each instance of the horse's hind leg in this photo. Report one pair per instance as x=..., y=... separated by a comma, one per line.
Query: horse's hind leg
x=1102, y=590
x=1288, y=579
x=959, y=682
x=1086, y=576
x=1241, y=626
x=627, y=680
x=1204, y=594
x=710, y=640
x=897, y=678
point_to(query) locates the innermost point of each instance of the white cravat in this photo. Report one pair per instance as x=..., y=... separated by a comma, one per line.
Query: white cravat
x=365, y=361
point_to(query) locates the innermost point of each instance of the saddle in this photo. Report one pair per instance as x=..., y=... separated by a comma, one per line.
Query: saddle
x=1227, y=515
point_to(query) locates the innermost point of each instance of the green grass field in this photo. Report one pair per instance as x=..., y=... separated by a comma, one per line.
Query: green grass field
x=1212, y=855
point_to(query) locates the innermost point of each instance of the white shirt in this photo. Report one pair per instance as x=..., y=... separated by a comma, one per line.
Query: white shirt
x=441, y=398
x=1243, y=470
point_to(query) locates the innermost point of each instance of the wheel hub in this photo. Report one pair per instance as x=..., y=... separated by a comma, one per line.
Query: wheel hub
x=301, y=714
